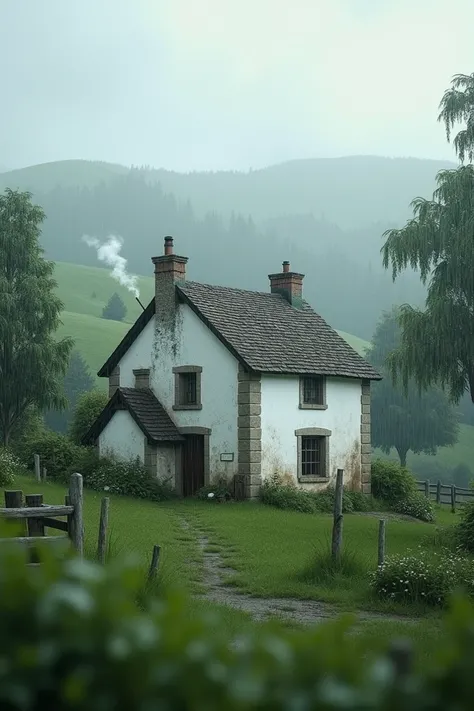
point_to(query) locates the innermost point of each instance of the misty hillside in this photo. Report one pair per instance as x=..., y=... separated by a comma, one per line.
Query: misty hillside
x=351, y=192
x=326, y=216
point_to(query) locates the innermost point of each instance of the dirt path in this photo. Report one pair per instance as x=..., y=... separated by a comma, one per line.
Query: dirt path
x=304, y=612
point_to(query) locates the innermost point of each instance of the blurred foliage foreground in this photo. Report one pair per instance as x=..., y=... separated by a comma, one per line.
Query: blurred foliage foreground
x=75, y=635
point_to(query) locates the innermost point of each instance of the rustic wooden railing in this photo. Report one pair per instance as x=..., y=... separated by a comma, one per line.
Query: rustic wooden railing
x=445, y=493
x=39, y=516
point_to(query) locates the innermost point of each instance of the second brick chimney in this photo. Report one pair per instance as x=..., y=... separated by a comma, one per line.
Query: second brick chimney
x=170, y=269
x=289, y=284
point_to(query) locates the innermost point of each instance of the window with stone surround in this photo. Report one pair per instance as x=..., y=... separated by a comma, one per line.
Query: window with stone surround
x=313, y=454
x=313, y=392
x=187, y=387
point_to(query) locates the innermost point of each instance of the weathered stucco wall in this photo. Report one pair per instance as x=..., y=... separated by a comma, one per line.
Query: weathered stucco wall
x=123, y=437
x=281, y=416
x=190, y=343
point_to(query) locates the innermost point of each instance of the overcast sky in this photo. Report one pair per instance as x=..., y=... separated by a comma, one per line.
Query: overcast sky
x=222, y=84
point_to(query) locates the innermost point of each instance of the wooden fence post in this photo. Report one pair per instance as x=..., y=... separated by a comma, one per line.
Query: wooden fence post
x=453, y=499
x=75, y=499
x=35, y=526
x=13, y=499
x=438, y=492
x=427, y=489
x=37, y=467
x=381, y=547
x=155, y=559
x=103, y=523
x=338, y=517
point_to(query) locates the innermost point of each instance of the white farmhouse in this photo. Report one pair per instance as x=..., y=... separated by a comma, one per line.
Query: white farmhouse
x=215, y=382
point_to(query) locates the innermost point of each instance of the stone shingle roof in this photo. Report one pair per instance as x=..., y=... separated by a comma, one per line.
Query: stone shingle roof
x=146, y=410
x=150, y=414
x=269, y=335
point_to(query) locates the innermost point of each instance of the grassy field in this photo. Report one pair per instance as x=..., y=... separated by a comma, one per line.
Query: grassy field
x=272, y=551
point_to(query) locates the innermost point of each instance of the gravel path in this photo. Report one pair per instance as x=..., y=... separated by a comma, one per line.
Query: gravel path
x=304, y=612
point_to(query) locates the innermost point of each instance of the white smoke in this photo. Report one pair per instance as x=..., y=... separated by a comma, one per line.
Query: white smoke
x=109, y=253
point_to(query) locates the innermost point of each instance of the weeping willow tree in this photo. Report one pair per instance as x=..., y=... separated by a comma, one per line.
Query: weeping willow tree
x=457, y=106
x=437, y=343
x=32, y=361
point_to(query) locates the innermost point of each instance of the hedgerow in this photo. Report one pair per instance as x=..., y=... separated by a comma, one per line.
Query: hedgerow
x=283, y=496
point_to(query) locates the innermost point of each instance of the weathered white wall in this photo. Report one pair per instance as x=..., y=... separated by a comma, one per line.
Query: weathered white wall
x=192, y=344
x=137, y=356
x=281, y=416
x=165, y=463
x=123, y=437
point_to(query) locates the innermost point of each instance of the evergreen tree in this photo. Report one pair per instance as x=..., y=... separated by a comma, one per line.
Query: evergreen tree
x=406, y=420
x=78, y=380
x=32, y=360
x=115, y=310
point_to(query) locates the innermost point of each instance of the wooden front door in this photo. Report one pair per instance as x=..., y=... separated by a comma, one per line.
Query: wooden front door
x=193, y=464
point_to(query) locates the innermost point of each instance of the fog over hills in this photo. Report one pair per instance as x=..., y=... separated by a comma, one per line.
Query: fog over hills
x=326, y=215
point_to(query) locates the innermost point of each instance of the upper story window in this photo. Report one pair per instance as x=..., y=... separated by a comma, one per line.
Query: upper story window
x=313, y=392
x=187, y=387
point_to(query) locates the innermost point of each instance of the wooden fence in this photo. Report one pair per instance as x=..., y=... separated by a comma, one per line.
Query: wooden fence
x=39, y=516
x=445, y=493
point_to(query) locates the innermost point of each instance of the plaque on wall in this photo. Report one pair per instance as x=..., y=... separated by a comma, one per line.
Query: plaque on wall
x=227, y=456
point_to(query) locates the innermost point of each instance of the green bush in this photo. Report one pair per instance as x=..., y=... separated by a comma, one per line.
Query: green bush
x=125, y=478
x=273, y=493
x=282, y=496
x=57, y=453
x=465, y=528
x=416, y=505
x=218, y=491
x=391, y=482
x=88, y=408
x=415, y=578
x=10, y=467
x=73, y=638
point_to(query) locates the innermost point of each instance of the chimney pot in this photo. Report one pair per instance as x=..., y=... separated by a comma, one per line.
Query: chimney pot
x=168, y=246
x=288, y=284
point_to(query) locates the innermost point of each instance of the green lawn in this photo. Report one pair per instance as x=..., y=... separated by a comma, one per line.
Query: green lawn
x=270, y=549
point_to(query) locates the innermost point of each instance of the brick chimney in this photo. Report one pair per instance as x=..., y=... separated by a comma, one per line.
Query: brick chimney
x=170, y=269
x=289, y=284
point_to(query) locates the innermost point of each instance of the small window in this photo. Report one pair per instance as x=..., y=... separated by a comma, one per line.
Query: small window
x=187, y=391
x=313, y=392
x=188, y=388
x=313, y=456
